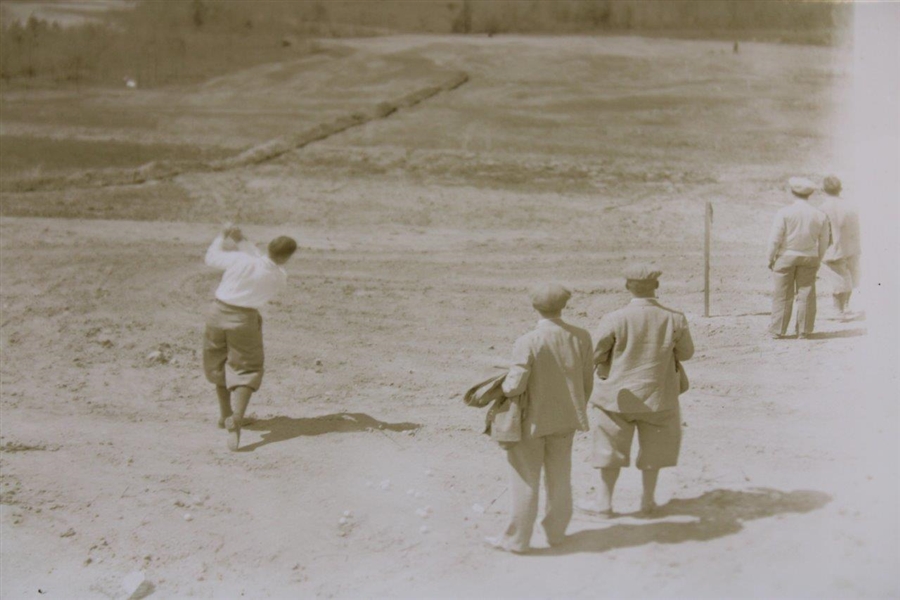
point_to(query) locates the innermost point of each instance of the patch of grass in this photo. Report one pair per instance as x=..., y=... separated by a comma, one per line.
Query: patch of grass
x=152, y=202
x=24, y=154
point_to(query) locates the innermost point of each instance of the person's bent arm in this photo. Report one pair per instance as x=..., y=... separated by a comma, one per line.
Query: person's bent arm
x=684, y=345
x=243, y=244
x=775, y=239
x=249, y=247
x=824, y=239
x=217, y=257
x=517, y=378
x=588, y=367
x=606, y=339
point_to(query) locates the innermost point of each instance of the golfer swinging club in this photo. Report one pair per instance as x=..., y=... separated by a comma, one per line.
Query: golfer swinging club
x=233, y=344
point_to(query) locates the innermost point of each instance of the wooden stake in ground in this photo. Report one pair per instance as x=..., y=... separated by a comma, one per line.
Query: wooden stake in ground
x=706, y=237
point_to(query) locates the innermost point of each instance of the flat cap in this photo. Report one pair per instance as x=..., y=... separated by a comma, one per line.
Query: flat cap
x=641, y=272
x=801, y=186
x=549, y=297
x=832, y=185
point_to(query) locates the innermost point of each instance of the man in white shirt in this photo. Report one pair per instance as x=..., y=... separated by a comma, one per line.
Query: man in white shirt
x=233, y=345
x=797, y=245
x=842, y=256
x=637, y=353
x=553, y=364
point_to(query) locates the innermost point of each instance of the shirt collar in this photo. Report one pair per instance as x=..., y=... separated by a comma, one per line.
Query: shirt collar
x=554, y=321
x=644, y=301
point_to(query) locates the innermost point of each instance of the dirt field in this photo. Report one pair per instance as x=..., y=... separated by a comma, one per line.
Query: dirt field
x=420, y=233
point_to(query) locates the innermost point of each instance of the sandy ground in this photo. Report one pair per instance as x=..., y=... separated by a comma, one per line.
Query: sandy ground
x=408, y=288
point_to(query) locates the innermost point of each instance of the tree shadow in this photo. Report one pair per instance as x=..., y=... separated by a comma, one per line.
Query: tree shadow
x=281, y=429
x=719, y=513
x=844, y=333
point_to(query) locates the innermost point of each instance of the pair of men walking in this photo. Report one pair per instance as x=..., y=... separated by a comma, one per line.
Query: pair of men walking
x=803, y=238
x=629, y=379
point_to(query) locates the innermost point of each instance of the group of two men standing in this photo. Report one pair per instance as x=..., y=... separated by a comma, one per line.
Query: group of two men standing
x=636, y=357
x=803, y=238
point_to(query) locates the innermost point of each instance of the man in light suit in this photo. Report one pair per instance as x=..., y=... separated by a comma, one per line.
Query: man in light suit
x=797, y=245
x=553, y=365
x=635, y=354
x=843, y=254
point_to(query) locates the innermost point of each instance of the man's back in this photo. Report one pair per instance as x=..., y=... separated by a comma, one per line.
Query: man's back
x=554, y=364
x=844, y=229
x=638, y=344
x=799, y=230
x=250, y=278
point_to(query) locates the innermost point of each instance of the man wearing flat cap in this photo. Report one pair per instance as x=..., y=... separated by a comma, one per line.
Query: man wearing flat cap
x=842, y=256
x=797, y=244
x=637, y=354
x=553, y=365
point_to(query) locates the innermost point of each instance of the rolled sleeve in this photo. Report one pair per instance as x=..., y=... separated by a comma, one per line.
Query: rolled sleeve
x=517, y=379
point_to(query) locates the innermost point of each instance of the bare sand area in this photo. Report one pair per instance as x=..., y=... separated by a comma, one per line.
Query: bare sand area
x=419, y=235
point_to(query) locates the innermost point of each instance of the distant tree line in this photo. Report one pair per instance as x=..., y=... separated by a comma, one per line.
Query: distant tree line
x=156, y=43
x=186, y=40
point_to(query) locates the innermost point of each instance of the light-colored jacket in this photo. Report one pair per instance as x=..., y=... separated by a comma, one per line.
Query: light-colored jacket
x=844, y=229
x=554, y=365
x=503, y=421
x=637, y=347
x=799, y=230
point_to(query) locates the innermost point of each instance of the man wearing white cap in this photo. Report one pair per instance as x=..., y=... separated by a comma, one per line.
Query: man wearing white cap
x=797, y=245
x=842, y=256
x=637, y=354
x=553, y=364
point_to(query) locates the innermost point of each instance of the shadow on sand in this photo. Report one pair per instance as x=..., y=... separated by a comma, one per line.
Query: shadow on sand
x=719, y=513
x=280, y=429
x=756, y=314
x=844, y=333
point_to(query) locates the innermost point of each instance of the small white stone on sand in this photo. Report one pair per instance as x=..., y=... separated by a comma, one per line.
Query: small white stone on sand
x=429, y=472
x=348, y=513
x=342, y=521
x=422, y=513
x=188, y=517
x=478, y=508
x=385, y=485
x=133, y=581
